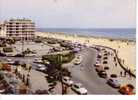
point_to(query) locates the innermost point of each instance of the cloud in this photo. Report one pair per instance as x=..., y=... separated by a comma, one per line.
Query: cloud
x=72, y=13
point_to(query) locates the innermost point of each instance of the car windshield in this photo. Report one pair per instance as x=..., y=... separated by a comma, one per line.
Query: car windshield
x=65, y=79
x=76, y=86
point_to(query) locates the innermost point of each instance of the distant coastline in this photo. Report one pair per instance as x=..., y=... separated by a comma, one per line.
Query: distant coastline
x=128, y=34
x=126, y=49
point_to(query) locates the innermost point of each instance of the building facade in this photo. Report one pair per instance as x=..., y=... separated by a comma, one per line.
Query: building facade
x=2, y=30
x=19, y=29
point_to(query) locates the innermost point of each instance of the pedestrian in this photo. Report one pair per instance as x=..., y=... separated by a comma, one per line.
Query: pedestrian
x=28, y=81
x=16, y=71
x=23, y=78
x=120, y=73
x=116, y=64
x=30, y=68
x=129, y=71
x=123, y=61
x=114, y=58
x=125, y=72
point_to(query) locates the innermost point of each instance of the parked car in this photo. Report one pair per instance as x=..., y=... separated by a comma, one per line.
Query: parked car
x=105, y=58
x=66, y=80
x=78, y=60
x=105, y=54
x=37, y=60
x=98, y=69
x=99, y=55
x=127, y=89
x=9, y=61
x=102, y=74
x=98, y=59
x=113, y=75
x=2, y=54
x=41, y=68
x=97, y=65
x=19, y=55
x=16, y=62
x=41, y=92
x=79, y=89
x=105, y=51
x=106, y=68
x=105, y=62
x=3, y=86
x=113, y=82
x=7, y=49
x=2, y=90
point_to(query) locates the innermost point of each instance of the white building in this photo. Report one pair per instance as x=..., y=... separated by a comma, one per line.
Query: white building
x=2, y=30
x=18, y=29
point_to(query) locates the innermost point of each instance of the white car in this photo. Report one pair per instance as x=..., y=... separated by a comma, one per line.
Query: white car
x=79, y=89
x=78, y=60
x=79, y=57
x=9, y=61
x=37, y=60
x=2, y=90
x=97, y=65
x=66, y=80
x=43, y=69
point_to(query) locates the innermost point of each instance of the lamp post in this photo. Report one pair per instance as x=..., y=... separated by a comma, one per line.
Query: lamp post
x=64, y=88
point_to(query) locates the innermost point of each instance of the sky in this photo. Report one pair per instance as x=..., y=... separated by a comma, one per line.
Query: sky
x=72, y=13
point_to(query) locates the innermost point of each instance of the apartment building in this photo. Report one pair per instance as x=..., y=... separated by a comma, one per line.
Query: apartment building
x=2, y=30
x=19, y=29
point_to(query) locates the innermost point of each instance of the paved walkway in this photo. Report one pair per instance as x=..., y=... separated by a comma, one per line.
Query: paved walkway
x=37, y=80
x=113, y=69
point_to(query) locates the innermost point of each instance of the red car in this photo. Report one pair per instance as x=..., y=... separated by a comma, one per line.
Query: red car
x=127, y=89
x=7, y=67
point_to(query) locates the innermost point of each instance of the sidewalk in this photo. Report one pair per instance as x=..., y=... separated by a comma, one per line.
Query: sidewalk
x=113, y=69
x=37, y=80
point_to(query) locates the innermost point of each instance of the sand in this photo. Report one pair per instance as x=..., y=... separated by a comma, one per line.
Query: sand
x=126, y=49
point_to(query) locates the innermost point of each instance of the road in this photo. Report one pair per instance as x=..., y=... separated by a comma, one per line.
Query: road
x=85, y=73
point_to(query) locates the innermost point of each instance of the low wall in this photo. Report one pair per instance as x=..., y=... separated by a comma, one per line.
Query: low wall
x=119, y=61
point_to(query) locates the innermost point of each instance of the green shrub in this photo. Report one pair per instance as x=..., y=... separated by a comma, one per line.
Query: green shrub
x=7, y=49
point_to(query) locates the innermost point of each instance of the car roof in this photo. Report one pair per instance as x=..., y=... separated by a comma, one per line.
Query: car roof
x=78, y=84
x=66, y=77
x=114, y=80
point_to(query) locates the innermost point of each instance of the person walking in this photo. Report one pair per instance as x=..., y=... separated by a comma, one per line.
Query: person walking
x=120, y=73
x=116, y=64
x=30, y=67
x=28, y=81
x=129, y=71
x=125, y=72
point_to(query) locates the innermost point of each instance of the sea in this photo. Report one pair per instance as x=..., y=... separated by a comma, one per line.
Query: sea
x=114, y=33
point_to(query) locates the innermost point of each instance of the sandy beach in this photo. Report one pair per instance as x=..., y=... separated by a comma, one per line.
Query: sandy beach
x=126, y=49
